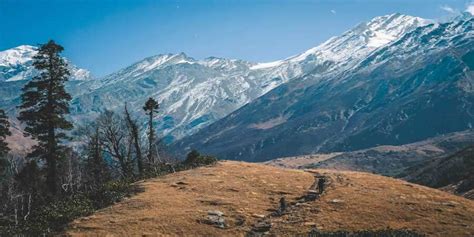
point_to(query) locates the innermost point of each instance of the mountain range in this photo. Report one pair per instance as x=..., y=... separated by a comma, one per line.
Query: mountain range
x=393, y=80
x=416, y=86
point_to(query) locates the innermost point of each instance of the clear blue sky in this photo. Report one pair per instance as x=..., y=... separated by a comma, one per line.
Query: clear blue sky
x=106, y=35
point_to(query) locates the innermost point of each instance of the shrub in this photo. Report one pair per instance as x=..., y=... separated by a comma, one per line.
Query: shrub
x=112, y=192
x=195, y=159
x=51, y=217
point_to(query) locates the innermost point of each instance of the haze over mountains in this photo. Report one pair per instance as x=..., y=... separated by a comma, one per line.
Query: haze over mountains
x=394, y=80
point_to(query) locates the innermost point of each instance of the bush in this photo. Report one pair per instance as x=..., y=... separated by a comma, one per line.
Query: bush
x=112, y=192
x=195, y=159
x=49, y=218
x=57, y=214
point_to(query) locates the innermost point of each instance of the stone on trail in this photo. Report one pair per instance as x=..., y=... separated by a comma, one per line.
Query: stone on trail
x=216, y=218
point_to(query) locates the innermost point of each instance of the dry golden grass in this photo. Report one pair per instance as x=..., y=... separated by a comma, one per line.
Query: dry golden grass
x=177, y=204
x=363, y=201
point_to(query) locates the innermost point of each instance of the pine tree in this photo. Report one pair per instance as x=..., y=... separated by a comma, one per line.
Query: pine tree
x=151, y=106
x=45, y=103
x=96, y=167
x=4, y=132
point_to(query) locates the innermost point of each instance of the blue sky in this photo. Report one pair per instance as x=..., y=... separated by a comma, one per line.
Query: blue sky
x=106, y=35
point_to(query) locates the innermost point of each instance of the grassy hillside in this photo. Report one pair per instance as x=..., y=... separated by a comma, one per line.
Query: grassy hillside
x=245, y=197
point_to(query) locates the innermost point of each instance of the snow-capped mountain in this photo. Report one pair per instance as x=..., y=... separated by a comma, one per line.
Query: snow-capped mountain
x=390, y=91
x=342, y=52
x=17, y=64
x=192, y=93
x=195, y=93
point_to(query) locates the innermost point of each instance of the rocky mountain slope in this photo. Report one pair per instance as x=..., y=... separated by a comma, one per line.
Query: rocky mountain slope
x=195, y=93
x=192, y=93
x=235, y=199
x=415, y=87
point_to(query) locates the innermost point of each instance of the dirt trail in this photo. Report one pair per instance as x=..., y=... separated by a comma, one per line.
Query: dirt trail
x=263, y=226
x=241, y=195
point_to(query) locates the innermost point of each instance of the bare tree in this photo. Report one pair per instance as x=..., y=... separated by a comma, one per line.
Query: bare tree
x=135, y=136
x=116, y=141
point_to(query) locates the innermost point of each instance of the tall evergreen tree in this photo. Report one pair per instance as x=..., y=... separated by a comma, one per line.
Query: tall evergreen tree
x=45, y=103
x=96, y=167
x=4, y=132
x=151, y=106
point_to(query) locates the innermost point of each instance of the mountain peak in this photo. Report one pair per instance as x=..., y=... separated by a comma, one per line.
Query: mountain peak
x=357, y=42
x=17, y=64
x=382, y=30
x=24, y=47
x=18, y=55
x=396, y=19
x=163, y=60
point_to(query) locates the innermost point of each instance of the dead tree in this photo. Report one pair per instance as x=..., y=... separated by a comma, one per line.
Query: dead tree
x=135, y=136
x=116, y=141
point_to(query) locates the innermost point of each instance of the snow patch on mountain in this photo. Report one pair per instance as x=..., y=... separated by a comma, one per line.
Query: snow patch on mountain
x=355, y=43
x=15, y=56
x=17, y=64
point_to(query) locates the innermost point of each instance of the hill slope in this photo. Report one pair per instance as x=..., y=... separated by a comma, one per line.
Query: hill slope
x=453, y=173
x=441, y=162
x=394, y=161
x=246, y=194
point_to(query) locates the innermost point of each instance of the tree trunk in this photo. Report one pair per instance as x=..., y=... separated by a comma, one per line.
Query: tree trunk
x=150, y=138
x=139, y=153
x=51, y=152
